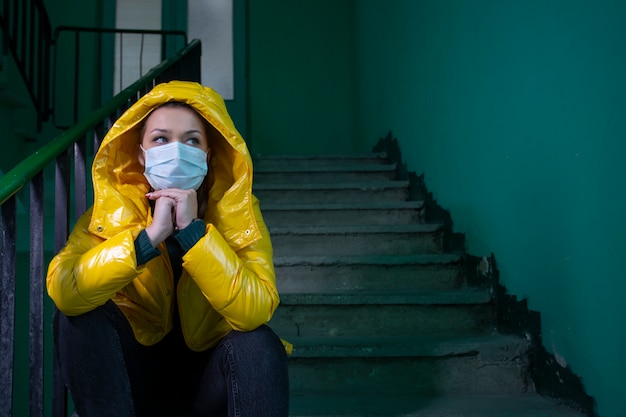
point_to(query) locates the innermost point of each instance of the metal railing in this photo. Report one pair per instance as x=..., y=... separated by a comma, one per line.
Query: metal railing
x=68, y=155
x=78, y=46
x=27, y=34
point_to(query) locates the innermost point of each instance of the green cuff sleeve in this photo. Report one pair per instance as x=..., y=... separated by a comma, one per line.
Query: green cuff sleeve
x=191, y=234
x=143, y=248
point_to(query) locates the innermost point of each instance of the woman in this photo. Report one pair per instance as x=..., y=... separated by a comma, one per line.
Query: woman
x=166, y=284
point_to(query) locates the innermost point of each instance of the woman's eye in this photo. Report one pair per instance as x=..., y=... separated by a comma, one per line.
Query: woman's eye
x=193, y=141
x=160, y=139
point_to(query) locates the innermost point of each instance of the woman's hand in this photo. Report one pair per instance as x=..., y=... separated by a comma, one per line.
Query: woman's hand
x=173, y=208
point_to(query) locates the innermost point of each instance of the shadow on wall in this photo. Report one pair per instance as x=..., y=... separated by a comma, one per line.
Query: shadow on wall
x=549, y=376
x=453, y=242
x=513, y=316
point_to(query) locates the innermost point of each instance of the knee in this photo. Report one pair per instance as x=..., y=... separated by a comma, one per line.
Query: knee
x=262, y=336
x=92, y=322
x=262, y=342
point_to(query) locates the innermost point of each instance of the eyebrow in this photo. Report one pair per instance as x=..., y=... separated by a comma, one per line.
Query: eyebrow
x=158, y=130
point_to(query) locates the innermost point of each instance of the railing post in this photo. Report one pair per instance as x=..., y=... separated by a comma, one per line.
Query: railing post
x=7, y=304
x=80, y=177
x=61, y=226
x=36, y=332
x=76, y=76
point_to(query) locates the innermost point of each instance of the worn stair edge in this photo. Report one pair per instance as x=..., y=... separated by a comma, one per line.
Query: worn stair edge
x=418, y=346
x=360, y=273
x=377, y=319
x=519, y=405
x=353, y=243
x=315, y=215
x=334, y=195
x=382, y=260
x=314, y=156
x=376, y=205
x=321, y=186
x=355, y=229
x=326, y=168
x=465, y=296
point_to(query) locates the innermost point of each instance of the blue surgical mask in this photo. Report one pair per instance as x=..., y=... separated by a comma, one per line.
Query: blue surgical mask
x=175, y=165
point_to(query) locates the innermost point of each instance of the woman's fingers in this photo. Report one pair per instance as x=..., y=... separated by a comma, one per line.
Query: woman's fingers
x=185, y=207
x=162, y=220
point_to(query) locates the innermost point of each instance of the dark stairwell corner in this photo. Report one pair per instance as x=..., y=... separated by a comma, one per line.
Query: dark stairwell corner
x=388, y=314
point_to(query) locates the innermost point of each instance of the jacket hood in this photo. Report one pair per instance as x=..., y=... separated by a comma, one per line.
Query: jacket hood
x=120, y=186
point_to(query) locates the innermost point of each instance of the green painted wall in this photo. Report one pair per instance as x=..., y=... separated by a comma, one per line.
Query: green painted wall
x=301, y=77
x=516, y=113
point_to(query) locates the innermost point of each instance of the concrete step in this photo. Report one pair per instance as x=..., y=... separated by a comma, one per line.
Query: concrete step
x=415, y=346
x=364, y=314
x=317, y=160
x=331, y=173
x=417, y=366
x=372, y=213
x=332, y=192
x=403, y=239
x=374, y=274
x=436, y=405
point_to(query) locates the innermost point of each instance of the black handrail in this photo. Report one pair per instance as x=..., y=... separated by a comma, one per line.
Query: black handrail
x=81, y=141
x=71, y=64
x=27, y=35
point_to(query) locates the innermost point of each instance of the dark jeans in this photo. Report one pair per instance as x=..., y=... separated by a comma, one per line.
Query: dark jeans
x=109, y=373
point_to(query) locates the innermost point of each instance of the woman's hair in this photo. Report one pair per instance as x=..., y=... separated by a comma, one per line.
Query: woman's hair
x=209, y=132
x=168, y=104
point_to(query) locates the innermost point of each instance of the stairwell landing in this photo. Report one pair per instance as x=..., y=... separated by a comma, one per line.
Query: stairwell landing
x=387, y=314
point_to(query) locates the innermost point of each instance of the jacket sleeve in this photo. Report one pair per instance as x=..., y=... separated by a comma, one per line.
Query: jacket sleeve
x=240, y=285
x=89, y=270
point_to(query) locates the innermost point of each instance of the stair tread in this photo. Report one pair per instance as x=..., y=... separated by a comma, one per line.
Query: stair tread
x=345, y=167
x=348, y=185
x=420, y=259
x=350, y=229
x=376, y=205
x=289, y=157
x=422, y=345
x=444, y=297
x=519, y=405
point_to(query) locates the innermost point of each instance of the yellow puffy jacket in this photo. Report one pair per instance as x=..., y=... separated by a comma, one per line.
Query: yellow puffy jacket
x=228, y=279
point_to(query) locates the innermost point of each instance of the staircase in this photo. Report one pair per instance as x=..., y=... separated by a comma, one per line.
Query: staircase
x=385, y=319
